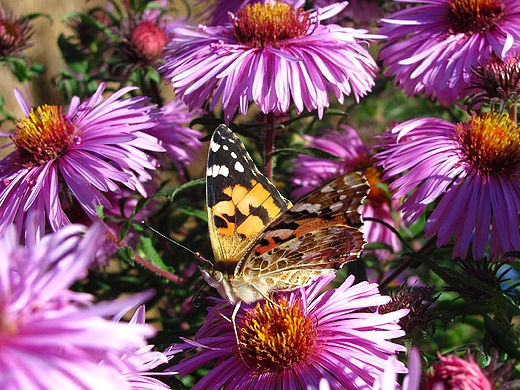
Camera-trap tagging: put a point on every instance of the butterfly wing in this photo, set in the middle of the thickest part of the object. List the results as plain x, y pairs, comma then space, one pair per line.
315, 237
241, 201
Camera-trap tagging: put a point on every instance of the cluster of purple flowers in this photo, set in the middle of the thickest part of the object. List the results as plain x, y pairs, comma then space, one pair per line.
74, 176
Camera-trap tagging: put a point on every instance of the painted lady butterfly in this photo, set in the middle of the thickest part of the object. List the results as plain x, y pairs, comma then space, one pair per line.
262, 243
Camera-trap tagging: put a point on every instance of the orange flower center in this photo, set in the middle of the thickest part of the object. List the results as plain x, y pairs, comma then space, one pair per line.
377, 194
260, 25
490, 143
474, 16
44, 135
278, 337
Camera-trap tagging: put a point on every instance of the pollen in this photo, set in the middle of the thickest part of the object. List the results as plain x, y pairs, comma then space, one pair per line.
44, 135
269, 25
474, 16
278, 337
490, 143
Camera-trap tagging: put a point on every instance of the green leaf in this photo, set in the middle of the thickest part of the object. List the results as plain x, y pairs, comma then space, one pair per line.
171, 193
313, 152
141, 203
100, 210
452, 278
126, 254
152, 255
193, 212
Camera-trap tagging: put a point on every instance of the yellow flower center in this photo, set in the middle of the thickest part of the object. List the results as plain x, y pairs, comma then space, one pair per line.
260, 25
474, 16
44, 135
278, 337
490, 143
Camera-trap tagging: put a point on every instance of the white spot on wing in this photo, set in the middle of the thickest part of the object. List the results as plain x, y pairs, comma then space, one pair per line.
234, 155
225, 147
308, 207
224, 171
239, 167
336, 206
342, 197
214, 146
216, 170
326, 189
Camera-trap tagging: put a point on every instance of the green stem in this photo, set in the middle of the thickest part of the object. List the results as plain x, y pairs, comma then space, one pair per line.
269, 146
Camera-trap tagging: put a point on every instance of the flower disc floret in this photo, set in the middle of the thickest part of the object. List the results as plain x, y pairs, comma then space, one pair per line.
278, 337
475, 16
490, 144
269, 25
44, 135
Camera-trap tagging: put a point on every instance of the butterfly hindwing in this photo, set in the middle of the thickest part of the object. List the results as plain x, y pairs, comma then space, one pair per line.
319, 234
241, 201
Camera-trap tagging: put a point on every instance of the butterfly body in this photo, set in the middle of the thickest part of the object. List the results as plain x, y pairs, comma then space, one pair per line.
263, 244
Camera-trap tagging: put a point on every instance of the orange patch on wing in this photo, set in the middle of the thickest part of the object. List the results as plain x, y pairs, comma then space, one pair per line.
226, 207
261, 249
254, 198
227, 231
251, 226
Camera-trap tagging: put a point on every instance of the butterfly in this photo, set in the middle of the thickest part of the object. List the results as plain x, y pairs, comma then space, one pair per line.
261, 242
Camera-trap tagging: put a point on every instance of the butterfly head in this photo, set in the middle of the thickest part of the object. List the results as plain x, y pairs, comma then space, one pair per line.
219, 281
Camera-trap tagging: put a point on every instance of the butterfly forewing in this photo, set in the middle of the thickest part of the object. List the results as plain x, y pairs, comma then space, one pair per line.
241, 201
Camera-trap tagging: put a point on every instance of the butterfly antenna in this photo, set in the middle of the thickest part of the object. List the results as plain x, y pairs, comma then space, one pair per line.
196, 254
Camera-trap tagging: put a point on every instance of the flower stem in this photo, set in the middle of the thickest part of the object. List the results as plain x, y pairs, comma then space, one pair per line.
512, 111
269, 147
145, 263
407, 263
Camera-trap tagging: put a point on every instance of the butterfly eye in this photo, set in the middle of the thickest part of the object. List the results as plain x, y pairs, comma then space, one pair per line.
217, 276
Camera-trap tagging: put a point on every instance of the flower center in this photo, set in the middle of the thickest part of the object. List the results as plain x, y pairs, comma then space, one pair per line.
490, 143
279, 337
10, 34
44, 135
474, 16
260, 25
376, 195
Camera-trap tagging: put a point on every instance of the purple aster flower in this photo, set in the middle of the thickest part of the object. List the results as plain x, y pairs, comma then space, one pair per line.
96, 147
50, 334
181, 143
310, 173
136, 366
431, 48
304, 337
271, 54
472, 168
411, 381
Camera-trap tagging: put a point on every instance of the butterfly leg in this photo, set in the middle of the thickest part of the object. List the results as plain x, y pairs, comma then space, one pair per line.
235, 328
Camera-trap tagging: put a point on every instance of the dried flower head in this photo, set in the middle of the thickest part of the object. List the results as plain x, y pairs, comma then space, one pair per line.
14, 34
